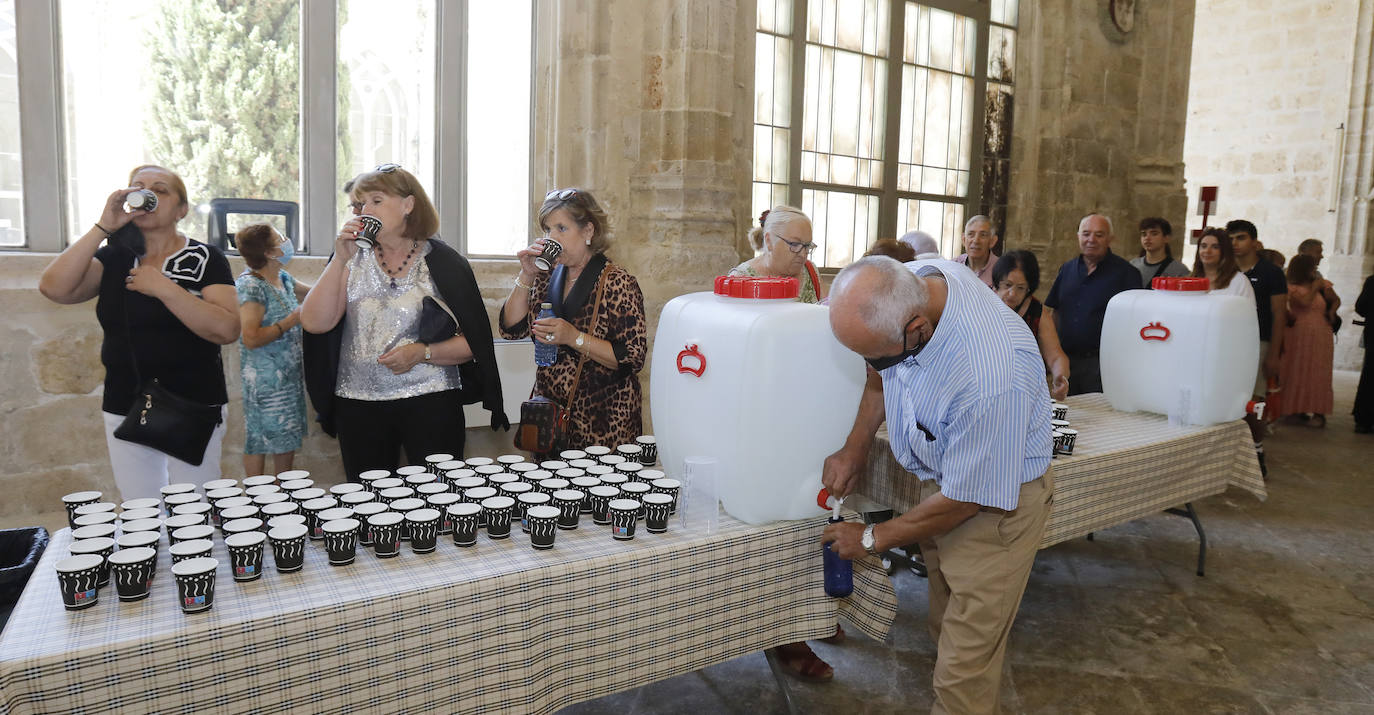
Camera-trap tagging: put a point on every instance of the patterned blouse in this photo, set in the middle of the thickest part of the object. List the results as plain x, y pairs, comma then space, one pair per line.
607, 404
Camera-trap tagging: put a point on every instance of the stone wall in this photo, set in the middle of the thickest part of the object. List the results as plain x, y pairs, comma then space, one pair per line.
1274, 98
51, 435
1099, 123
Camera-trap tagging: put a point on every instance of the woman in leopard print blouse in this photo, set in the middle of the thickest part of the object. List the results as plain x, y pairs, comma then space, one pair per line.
607, 404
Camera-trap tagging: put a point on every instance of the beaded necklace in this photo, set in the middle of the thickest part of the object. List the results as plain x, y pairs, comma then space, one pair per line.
399, 270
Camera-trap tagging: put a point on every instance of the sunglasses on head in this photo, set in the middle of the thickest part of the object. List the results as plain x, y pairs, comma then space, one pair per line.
560, 194
386, 168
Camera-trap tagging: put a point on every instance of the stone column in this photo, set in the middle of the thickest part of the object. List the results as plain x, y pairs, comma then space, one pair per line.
1350, 256
648, 104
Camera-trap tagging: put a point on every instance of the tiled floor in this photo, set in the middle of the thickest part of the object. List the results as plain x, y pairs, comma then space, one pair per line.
1282, 623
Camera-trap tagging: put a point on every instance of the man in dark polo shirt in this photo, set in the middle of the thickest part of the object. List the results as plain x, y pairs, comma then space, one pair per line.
1078, 300
1271, 308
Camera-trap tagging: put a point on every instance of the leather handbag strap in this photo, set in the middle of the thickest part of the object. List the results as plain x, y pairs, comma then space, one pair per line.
596, 314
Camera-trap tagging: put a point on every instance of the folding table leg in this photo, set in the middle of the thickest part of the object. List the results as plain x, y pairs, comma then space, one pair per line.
1191, 513
781, 679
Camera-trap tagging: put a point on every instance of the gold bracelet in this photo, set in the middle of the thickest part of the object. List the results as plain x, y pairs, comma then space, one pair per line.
518, 284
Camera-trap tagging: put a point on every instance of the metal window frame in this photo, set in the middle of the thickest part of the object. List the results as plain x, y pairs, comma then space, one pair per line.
44, 172
888, 195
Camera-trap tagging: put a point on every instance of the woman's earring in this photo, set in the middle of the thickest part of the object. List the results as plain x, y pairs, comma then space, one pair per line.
589, 242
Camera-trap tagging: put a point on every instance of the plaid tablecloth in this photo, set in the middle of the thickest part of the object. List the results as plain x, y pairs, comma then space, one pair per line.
1124, 466
498, 627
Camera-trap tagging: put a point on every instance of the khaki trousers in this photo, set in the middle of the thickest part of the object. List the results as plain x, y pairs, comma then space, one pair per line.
977, 574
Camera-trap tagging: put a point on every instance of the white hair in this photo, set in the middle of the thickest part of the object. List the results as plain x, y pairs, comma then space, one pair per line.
923, 243
991, 226
776, 219
886, 311
1105, 217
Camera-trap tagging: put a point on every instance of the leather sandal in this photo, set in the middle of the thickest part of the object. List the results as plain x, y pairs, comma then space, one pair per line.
835, 638
802, 663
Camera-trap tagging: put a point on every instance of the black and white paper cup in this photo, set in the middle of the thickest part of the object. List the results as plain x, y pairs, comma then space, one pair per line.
266, 480
423, 525
498, 511
629, 469
132, 572
549, 486
596, 451
568, 455
78, 499
553, 465
648, 449
669, 486
104, 517
102, 546
362, 513
461, 484
293, 474
214, 484
386, 533
200, 508
403, 507
288, 546
601, 498
415, 481
153, 526
138, 539
236, 526
294, 485
131, 504
570, 473
94, 531
245, 554
395, 493
524, 503
569, 505
1070, 439
195, 583
657, 509
172, 501
611, 460
584, 485
441, 503
478, 495
272, 511
367, 234
464, 516
100, 507
636, 491
136, 514
193, 549
191, 533
506, 460
475, 462
1059, 411
262, 490
371, 475
624, 513
296, 519
410, 469
543, 522
178, 521
78, 579
341, 540
434, 460
548, 254
312, 509
339, 490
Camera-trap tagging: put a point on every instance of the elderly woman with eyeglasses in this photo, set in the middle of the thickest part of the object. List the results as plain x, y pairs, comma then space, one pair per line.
784, 236
598, 323
1015, 277
408, 337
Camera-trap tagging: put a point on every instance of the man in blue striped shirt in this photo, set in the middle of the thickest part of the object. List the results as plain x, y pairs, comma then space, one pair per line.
959, 379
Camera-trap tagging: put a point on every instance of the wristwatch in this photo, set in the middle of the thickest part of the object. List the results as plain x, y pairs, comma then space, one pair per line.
428, 354
581, 341
868, 541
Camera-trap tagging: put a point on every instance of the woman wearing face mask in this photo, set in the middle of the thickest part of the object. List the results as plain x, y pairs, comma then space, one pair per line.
270, 350
1015, 277
784, 236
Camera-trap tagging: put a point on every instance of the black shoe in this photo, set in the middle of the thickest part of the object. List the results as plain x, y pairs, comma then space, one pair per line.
1363, 428
1264, 471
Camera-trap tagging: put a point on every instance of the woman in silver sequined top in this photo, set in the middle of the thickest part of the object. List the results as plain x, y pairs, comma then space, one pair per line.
389, 389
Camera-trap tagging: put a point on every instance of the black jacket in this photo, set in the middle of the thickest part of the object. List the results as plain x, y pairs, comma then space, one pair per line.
458, 287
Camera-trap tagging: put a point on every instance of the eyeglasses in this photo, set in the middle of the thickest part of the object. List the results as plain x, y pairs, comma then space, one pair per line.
560, 194
797, 246
386, 168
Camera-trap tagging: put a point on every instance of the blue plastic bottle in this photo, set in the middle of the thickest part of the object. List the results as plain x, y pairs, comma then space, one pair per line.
545, 354
839, 572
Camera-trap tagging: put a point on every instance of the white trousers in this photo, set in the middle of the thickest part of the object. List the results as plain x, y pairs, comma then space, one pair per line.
140, 472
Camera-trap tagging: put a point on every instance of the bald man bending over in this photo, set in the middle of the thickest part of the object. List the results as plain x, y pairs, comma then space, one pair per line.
959, 379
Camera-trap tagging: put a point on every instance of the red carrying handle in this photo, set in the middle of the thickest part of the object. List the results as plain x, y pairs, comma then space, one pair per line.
1155, 331
688, 353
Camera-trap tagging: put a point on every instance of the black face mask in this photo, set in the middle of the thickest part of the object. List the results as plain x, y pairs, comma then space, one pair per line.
883, 363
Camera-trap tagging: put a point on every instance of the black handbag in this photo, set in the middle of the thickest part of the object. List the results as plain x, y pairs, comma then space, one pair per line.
544, 423
169, 423
164, 420
437, 322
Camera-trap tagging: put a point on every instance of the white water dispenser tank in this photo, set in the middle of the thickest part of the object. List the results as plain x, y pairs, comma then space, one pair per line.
750, 376
1179, 351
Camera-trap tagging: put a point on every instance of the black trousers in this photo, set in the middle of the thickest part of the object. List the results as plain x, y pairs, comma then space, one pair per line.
1364, 394
372, 434
1085, 373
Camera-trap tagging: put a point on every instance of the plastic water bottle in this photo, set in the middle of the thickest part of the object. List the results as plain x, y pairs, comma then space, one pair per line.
839, 572
545, 354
